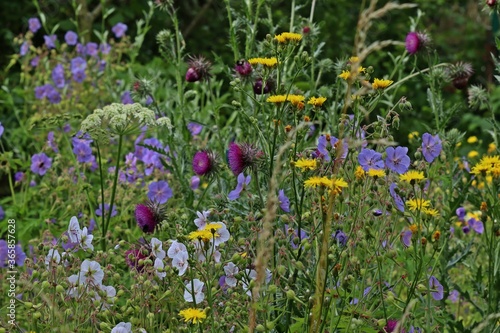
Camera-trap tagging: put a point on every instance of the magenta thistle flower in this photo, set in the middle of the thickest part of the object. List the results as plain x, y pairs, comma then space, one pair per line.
370, 159
391, 326
133, 256
199, 69
40, 163
416, 41
431, 147
205, 163
148, 216
397, 160
243, 67
242, 156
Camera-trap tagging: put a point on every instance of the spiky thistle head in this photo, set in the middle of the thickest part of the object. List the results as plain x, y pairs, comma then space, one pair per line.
243, 156
460, 74
149, 216
199, 69
205, 163
417, 41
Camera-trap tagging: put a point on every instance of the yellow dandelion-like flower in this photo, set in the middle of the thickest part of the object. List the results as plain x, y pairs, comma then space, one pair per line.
473, 153
304, 164
346, 75
412, 176
213, 227
376, 173
266, 62
295, 99
316, 101
495, 171
288, 37
480, 168
418, 204
336, 185
413, 228
359, 173
413, 135
472, 139
432, 212
192, 315
353, 59
436, 235
204, 235
491, 148
314, 182
381, 84
276, 99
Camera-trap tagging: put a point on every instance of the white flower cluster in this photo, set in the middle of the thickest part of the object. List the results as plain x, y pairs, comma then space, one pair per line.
122, 118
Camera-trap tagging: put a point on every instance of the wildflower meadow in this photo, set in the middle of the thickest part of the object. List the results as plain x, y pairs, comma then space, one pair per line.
279, 171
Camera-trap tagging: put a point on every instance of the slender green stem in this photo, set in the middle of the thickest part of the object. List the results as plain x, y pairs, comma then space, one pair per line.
101, 176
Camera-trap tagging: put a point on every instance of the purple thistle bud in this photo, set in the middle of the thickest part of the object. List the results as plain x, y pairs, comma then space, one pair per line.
243, 67
242, 156
148, 216
416, 41
198, 69
390, 327
460, 74
259, 88
133, 256
205, 163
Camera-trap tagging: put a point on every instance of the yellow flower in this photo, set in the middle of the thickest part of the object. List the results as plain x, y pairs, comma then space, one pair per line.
193, 315
353, 59
472, 139
336, 184
486, 165
412, 176
436, 235
472, 154
359, 173
345, 75
413, 228
316, 181
295, 99
491, 148
204, 235
288, 37
316, 101
418, 204
276, 99
266, 62
376, 173
412, 136
381, 84
212, 227
305, 163
431, 212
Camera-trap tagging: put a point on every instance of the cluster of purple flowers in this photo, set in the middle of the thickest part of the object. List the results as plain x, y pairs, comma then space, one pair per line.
48, 91
83, 151
471, 223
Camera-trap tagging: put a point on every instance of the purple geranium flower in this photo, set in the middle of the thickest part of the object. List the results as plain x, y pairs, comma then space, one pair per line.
52, 142
195, 182
119, 29
34, 62
53, 95
1, 129
50, 41
438, 291
127, 98
454, 296
105, 48
71, 38
340, 237
19, 176
78, 64
370, 159
296, 237
82, 151
476, 225
92, 49
242, 183
400, 205
397, 159
40, 163
461, 214
99, 212
159, 192
323, 143
58, 76
406, 238
431, 147
24, 48
194, 128
34, 24
284, 201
